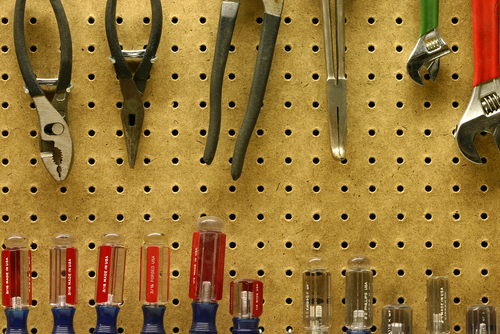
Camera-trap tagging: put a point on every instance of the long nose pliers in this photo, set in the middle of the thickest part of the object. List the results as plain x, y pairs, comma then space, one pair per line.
270, 27
132, 87
430, 46
483, 111
56, 146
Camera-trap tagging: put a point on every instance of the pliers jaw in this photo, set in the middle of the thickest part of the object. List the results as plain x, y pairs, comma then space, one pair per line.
482, 115
337, 111
430, 47
56, 146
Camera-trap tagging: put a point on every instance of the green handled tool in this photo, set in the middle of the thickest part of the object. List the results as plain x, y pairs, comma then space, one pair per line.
430, 46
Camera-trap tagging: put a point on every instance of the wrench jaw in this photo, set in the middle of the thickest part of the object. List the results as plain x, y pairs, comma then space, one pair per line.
482, 114
56, 146
430, 47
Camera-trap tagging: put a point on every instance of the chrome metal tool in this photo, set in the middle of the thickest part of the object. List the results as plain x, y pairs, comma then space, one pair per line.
336, 86
270, 27
483, 111
56, 145
430, 46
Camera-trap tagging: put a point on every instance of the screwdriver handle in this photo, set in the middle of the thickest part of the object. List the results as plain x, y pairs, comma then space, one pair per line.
63, 320
429, 15
485, 37
17, 321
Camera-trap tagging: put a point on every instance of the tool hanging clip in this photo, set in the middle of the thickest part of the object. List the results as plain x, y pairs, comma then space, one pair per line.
483, 111
56, 145
430, 46
270, 27
132, 87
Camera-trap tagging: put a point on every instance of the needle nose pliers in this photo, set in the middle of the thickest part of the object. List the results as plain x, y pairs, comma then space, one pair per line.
270, 27
56, 146
483, 111
132, 87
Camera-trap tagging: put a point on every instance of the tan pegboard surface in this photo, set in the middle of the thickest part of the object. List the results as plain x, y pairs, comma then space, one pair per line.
406, 197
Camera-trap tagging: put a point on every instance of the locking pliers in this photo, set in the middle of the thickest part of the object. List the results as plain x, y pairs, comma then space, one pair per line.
56, 146
132, 87
270, 27
483, 111
430, 46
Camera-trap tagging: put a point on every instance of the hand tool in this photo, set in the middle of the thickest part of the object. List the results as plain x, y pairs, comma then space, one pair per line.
132, 87
155, 275
316, 298
207, 273
397, 319
358, 296
110, 281
270, 27
63, 283
482, 113
481, 319
430, 46
16, 283
56, 146
336, 87
438, 305
245, 305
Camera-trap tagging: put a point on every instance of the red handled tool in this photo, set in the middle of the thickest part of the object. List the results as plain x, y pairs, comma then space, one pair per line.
482, 113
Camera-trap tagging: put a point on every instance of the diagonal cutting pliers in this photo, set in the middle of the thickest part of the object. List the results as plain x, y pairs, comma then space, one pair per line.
270, 27
56, 146
483, 111
132, 87
430, 46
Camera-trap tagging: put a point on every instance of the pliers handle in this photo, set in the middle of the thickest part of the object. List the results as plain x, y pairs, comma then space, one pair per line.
56, 146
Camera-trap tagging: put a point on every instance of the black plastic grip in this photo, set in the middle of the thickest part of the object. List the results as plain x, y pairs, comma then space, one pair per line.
22, 52
64, 80
142, 73
228, 14
121, 67
267, 43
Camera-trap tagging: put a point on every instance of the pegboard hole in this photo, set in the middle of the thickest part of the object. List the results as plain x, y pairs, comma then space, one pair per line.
428, 216
316, 245
174, 48
287, 20
288, 48
315, 20
119, 20
456, 272
315, 105
344, 189
428, 188
344, 244
34, 274
315, 160
316, 189
5, 133
91, 218
92, 303
5, 190
175, 273
5, 77
34, 330
91, 161
232, 245
344, 216
399, 76
456, 244
456, 216
91, 48
316, 216
401, 244
427, 104
372, 216
91, 274
373, 329
399, 104
288, 160
400, 188
454, 20
5, 218
260, 216
5, 20
399, 20
232, 273
454, 48
288, 244
203, 189
484, 272
175, 161
401, 300
456, 300
484, 188
260, 273
175, 330
259, 20
119, 189
288, 188
91, 20
485, 300
175, 245
455, 104
33, 161
427, 160
5, 105
32, 189
289, 301
119, 217
484, 160
454, 76
456, 328
399, 48
372, 188
401, 272
371, 20
371, 105
147, 217
147, 189
428, 244
399, 132
372, 244
232, 189
33, 218
372, 160
175, 217
175, 188
63, 218
484, 243
91, 245
203, 48
260, 189
315, 48
146, 20
371, 48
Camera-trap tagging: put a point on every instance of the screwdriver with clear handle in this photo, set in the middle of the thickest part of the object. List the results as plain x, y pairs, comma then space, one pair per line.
336, 86
63, 282
358, 295
397, 319
481, 319
438, 305
316, 290
245, 305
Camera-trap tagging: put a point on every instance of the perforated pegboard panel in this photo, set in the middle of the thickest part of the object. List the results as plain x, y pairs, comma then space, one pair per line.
405, 197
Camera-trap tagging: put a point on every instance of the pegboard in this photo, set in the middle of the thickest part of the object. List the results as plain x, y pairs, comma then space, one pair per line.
405, 197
